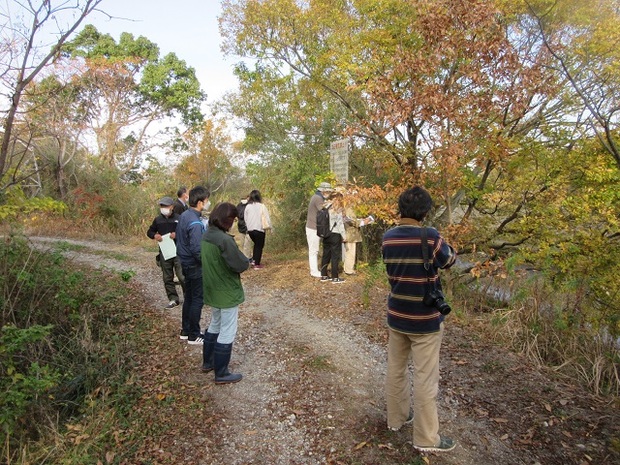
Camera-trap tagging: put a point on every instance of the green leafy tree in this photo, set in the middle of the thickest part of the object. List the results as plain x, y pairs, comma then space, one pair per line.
55, 120
127, 87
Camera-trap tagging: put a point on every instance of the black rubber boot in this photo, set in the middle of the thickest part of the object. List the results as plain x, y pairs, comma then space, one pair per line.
221, 360
207, 352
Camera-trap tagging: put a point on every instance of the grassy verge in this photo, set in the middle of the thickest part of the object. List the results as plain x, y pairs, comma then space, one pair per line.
69, 346
553, 328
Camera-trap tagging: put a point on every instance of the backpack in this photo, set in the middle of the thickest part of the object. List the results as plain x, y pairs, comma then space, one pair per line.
241, 226
322, 223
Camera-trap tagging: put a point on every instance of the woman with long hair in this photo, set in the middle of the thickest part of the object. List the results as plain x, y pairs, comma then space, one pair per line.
258, 222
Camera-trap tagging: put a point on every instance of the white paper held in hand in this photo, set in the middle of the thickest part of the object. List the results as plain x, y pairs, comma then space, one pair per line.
168, 247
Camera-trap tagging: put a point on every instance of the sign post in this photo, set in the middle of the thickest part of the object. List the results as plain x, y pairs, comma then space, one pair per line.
339, 159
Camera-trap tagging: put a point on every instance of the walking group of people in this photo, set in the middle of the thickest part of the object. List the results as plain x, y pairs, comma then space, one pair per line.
211, 264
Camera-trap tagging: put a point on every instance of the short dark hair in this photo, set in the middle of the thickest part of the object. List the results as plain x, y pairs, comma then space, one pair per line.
197, 194
223, 216
255, 197
415, 203
182, 190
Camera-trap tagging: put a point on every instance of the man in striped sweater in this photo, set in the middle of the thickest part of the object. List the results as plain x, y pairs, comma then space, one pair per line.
415, 329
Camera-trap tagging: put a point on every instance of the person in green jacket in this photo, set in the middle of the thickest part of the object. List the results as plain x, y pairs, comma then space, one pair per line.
222, 265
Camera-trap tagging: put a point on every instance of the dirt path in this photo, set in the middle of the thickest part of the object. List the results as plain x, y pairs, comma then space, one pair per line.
314, 359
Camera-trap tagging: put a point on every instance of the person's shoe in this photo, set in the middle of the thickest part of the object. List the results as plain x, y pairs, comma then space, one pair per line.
325, 279
221, 359
445, 445
208, 351
183, 335
259, 267
171, 304
198, 340
350, 274
408, 421
337, 280
315, 275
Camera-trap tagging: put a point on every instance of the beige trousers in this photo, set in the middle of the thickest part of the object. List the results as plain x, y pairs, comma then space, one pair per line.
424, 352
349, 257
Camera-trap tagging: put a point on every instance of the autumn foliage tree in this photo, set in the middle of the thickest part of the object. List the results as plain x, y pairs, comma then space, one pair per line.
505, 111
127, 87
206, 157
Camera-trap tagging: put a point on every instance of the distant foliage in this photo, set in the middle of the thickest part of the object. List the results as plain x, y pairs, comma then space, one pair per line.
14, 205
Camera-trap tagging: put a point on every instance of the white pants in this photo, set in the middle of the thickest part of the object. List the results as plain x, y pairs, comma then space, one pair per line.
314, 242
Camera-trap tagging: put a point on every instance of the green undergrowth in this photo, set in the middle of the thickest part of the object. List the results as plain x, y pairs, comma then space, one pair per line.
68, 341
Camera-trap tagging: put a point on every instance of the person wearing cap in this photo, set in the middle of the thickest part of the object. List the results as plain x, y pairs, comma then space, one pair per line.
316, 203
166, 223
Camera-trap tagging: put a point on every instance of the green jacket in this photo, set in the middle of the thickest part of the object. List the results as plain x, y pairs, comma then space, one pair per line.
222, 263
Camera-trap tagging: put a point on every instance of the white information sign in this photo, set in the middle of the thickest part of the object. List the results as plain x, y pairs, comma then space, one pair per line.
339, 159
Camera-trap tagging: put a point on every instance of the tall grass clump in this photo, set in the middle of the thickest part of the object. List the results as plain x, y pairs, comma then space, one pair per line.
62, 350
556, 327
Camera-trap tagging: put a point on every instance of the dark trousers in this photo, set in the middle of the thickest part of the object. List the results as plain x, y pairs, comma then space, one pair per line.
258, 237
192, 301
168, 269
332, 253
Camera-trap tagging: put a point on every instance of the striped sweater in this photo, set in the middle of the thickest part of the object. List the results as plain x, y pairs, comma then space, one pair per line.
402, 255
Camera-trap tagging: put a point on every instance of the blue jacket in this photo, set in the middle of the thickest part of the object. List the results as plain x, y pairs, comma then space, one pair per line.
188, 236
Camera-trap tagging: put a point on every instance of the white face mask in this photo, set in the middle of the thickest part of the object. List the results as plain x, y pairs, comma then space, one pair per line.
165, 211
206, 205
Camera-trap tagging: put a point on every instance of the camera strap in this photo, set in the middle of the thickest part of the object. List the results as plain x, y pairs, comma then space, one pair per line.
427, 263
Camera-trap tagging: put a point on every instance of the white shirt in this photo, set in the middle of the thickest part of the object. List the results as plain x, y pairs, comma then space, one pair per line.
253, 216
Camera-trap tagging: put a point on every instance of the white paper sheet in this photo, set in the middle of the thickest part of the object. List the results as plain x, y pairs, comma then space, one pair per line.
168, 247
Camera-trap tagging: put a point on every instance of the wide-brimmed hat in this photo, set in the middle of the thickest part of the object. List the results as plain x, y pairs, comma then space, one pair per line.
166, 201
325, 187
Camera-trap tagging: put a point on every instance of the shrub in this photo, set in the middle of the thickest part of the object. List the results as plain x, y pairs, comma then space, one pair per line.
59, 344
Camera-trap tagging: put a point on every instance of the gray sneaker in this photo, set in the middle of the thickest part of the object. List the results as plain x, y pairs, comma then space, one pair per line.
172, 304
445, 445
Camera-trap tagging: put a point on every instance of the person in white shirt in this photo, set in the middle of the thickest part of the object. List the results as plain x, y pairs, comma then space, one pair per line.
258, 222
314, 241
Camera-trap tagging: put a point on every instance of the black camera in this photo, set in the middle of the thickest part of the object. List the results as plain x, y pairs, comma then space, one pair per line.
435, 298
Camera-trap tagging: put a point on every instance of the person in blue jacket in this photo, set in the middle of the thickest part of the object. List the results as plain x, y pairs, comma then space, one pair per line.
188, 237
